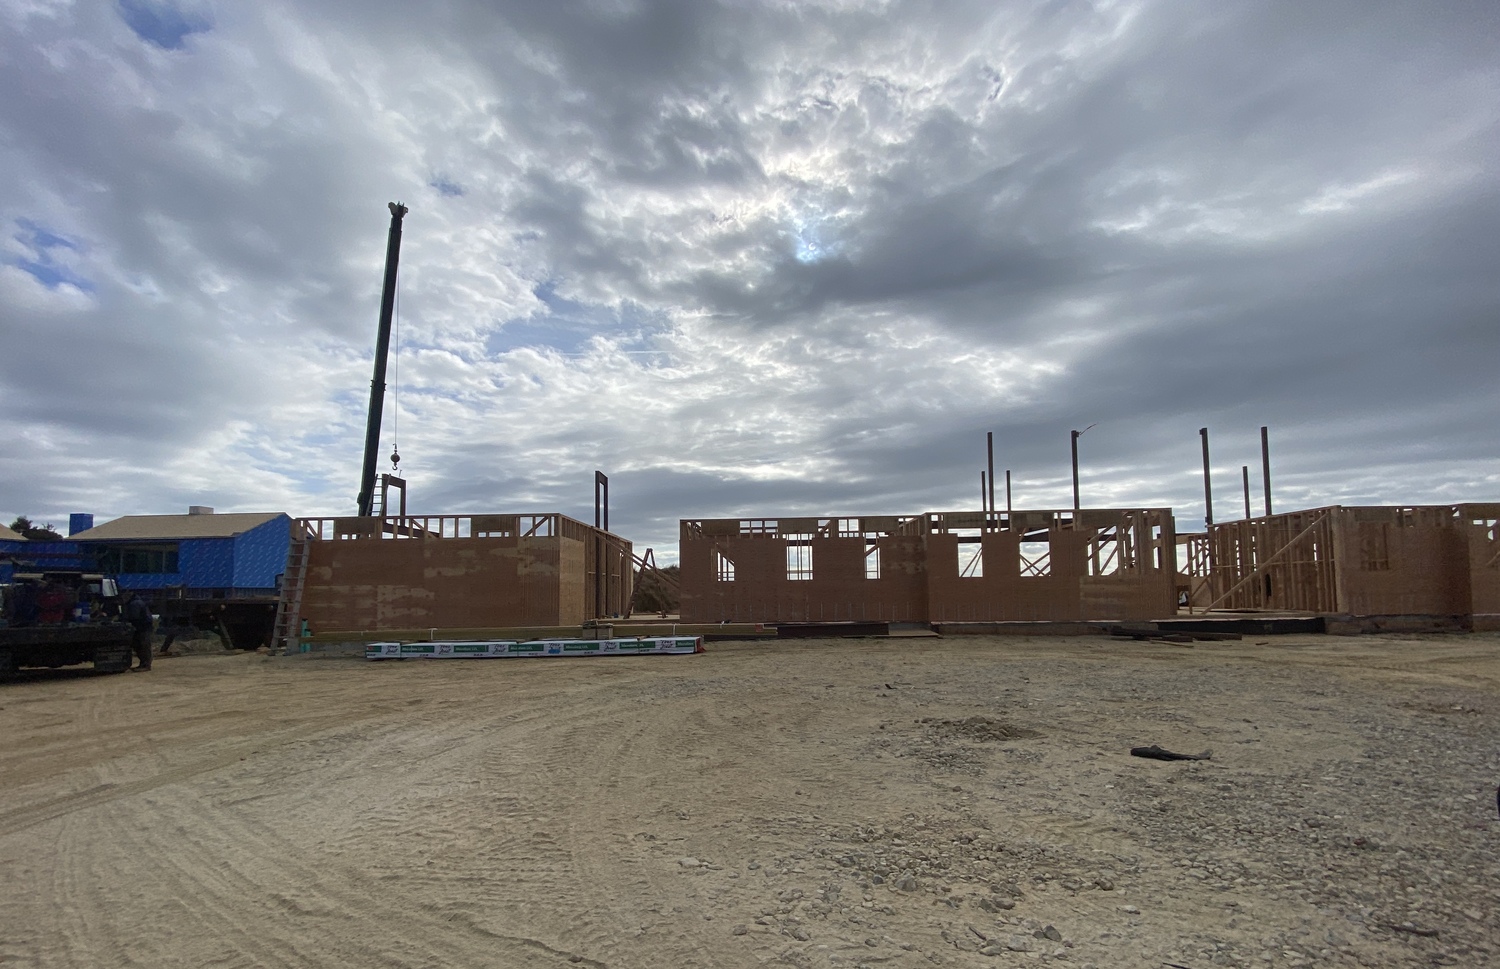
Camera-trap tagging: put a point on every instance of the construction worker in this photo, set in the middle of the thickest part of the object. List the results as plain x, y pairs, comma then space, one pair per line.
138, 614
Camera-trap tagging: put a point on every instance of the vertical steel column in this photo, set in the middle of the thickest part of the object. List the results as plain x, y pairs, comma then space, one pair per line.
1265, 466
989, 444
601, 484
601, 545
1208, 489
1245, 470
1075, 469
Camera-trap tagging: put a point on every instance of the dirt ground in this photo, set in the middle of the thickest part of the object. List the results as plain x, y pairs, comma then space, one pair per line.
903, 802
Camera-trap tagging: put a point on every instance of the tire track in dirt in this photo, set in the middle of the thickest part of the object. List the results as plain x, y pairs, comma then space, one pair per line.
255, 888
22, 818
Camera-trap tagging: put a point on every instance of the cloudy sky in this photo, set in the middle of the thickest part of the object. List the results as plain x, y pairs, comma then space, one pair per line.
749, 258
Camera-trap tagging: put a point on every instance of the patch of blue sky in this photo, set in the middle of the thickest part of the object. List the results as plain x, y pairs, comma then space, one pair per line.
163, 24
43, 262
567, 326
446, 187
38, 237
351, 402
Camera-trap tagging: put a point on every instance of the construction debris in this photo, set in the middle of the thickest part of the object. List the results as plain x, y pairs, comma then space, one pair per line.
1158, 753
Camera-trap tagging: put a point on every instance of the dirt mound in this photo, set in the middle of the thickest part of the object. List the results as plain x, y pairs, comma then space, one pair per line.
193, 642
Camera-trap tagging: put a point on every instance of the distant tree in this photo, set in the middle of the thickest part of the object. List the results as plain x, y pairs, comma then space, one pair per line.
37, 533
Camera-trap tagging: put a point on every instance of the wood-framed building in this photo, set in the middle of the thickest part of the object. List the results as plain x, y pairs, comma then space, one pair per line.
1357, 560
964, 566
455, 572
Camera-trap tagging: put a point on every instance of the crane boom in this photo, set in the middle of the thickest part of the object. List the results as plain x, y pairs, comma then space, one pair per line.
382, 350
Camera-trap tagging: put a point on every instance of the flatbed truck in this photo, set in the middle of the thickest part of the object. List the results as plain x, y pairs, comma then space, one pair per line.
74, 624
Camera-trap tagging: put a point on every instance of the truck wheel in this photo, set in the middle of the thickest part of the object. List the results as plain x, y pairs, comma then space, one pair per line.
9, 667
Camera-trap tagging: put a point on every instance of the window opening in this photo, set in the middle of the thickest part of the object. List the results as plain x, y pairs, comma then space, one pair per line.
872, 559
1111, 552
970, 553
1036, 559
799, 565
723, 567
140, 560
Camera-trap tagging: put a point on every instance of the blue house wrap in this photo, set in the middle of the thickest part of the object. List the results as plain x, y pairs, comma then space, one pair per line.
260, 554
205, 555
12, 546
20, 555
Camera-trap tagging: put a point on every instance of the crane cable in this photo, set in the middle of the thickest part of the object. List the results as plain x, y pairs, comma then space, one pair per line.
396, 388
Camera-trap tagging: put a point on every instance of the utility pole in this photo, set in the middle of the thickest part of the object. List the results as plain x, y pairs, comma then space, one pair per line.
382, 350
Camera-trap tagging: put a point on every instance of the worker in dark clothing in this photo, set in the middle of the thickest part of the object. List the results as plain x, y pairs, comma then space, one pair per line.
138, 614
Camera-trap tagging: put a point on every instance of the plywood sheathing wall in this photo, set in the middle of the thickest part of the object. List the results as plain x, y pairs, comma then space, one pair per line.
737, 571
937, 567
1482, 523
482, 571
1438, 560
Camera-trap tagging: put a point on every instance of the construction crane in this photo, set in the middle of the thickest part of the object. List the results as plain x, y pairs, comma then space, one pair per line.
382, 351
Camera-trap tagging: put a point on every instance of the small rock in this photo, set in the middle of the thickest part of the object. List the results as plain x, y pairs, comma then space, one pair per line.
689, 862
1050, 933
738, 930
872, 943
907, 883
1130, 910
799, 933
1018, 943
1104, 884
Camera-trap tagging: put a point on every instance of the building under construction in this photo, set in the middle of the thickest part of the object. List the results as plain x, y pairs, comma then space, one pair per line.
1407, 560
368, 574
1041, 566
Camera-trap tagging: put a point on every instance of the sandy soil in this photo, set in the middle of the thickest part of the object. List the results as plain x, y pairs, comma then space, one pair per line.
959, 802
